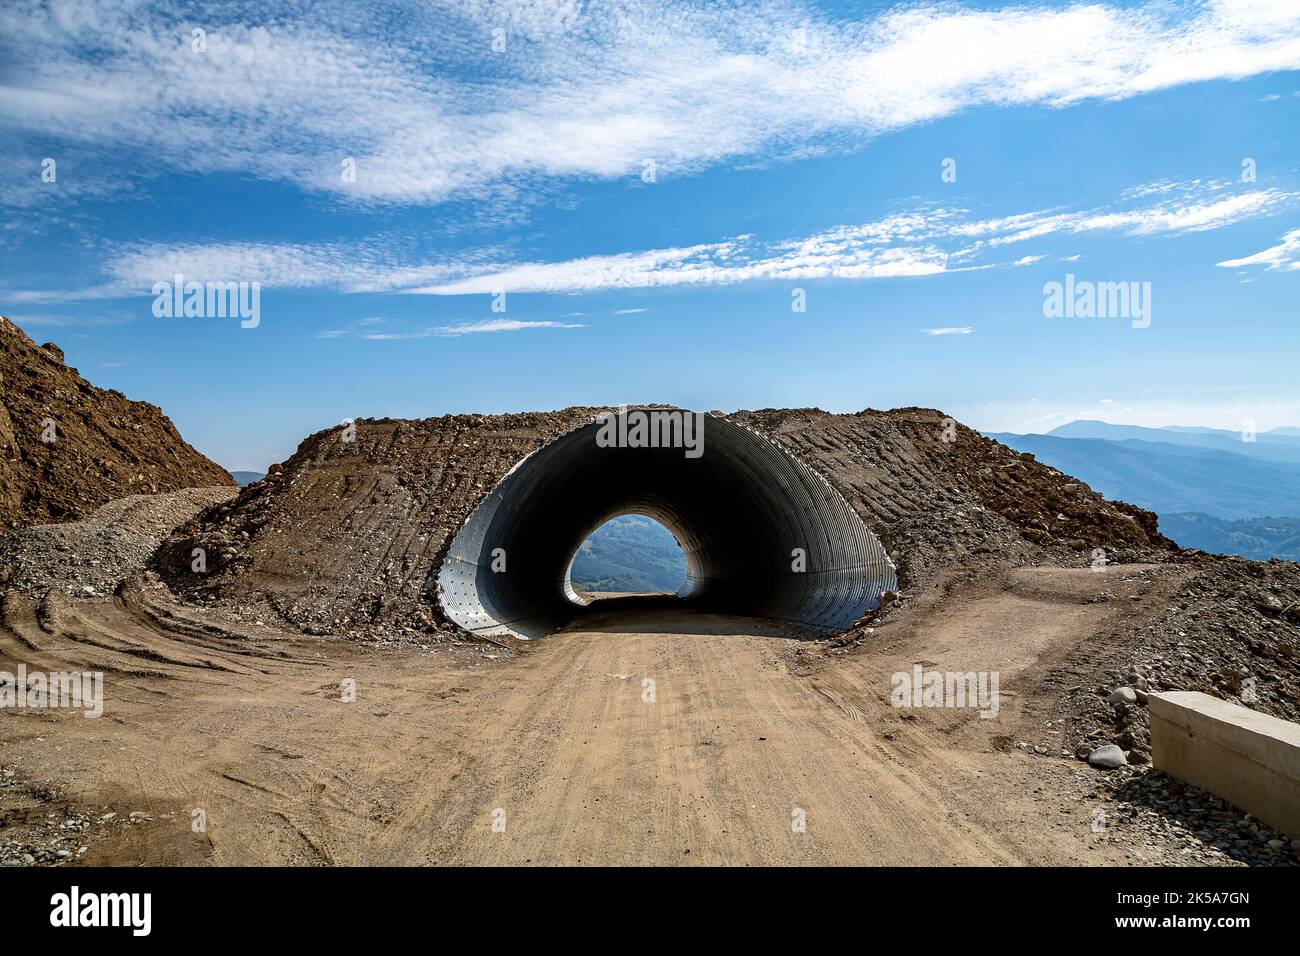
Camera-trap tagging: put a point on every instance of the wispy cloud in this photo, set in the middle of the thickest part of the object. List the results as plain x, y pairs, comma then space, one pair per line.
1285, 255
950, 330
921, 242
417, 95
912, 244
468, 328
378, 264
27, 321
368, 322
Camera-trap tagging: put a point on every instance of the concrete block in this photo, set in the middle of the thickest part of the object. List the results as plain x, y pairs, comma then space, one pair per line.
1241, 755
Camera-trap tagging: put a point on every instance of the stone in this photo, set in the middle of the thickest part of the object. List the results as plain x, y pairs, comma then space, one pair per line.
1107, 757
1123, 695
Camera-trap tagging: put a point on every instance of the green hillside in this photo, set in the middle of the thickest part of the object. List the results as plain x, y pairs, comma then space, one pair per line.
629, 554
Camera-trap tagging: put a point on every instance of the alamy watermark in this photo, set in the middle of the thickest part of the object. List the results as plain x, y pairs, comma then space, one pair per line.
70, 690
75, 908
1085, 299
652, 428
210, 300
921, 688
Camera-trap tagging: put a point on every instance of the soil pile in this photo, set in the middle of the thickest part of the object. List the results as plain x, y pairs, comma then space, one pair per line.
941, 496
67, 447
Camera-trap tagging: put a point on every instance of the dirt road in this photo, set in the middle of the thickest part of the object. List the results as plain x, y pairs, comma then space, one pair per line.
659, 738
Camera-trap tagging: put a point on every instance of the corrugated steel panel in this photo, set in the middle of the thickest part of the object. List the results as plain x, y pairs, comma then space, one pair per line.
738, 511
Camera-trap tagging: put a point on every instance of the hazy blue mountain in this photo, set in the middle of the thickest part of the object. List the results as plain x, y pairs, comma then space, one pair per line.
1258, 538
629, 554
1281, 444
1170, 478
247, 477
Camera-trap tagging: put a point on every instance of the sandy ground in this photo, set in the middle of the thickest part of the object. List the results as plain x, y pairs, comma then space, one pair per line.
560, 753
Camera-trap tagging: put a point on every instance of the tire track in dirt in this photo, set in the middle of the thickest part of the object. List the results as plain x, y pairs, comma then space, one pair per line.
742, 739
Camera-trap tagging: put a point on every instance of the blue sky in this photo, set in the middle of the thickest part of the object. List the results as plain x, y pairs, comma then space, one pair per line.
795, 146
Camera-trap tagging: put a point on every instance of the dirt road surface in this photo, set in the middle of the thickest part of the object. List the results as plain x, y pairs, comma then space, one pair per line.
656, 737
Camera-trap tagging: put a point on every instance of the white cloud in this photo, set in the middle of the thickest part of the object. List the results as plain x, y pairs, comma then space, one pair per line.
918, 243
416, 95
1185, 217
347, 330
63, 321
469, 328
1285, 255
952, 330
901, 245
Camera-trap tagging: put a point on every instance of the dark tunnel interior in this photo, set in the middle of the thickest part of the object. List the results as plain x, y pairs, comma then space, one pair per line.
763, 534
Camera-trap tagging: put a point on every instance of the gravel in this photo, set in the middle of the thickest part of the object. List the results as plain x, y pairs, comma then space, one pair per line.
89, 558
43, 826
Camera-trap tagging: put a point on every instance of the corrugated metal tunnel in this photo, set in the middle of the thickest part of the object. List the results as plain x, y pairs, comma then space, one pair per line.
763, 534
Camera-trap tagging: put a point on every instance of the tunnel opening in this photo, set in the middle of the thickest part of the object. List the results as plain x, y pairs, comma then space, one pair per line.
627, 554
762, 534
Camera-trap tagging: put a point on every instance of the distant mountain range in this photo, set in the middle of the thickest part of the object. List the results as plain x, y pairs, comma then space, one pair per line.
1282, 444
1211, 489
1258, 538
629, 554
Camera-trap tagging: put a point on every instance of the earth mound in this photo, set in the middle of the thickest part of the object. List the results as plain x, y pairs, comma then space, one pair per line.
67, 447
347, 536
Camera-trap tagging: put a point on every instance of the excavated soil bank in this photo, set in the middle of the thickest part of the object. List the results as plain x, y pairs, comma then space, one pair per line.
350, 533
67, 447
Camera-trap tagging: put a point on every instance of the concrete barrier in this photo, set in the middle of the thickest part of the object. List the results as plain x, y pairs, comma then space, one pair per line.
1241, 755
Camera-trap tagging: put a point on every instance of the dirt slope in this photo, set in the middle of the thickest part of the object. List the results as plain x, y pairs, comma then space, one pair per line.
348, 535
941, 496
105, 446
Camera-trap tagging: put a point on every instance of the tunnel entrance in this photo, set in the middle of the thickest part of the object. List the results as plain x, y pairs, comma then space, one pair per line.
628, 554
762, 533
